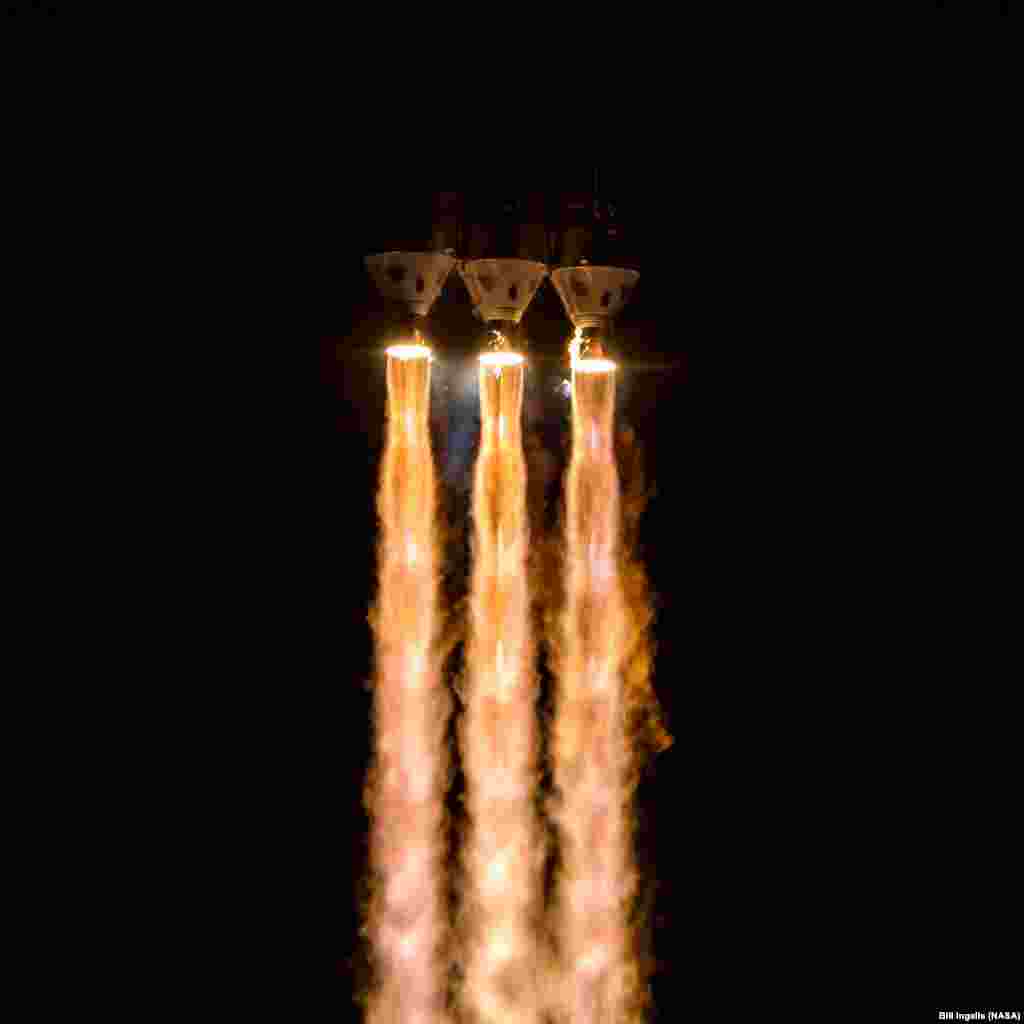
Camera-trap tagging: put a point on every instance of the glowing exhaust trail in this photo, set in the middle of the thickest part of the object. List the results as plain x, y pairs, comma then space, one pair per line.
503, 852
597, 974
405, 792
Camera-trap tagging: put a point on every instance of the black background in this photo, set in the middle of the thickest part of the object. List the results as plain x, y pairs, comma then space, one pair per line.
1000, 6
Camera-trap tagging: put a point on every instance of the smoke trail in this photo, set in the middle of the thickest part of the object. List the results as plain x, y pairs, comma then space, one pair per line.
646, 725
599, 976
405, 790
503, 853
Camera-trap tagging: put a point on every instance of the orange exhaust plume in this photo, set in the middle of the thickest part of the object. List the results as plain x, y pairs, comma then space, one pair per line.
407, 916
499, 737
598, 975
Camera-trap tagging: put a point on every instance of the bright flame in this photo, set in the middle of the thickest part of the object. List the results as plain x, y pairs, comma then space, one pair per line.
594, 366
575, 343
499, 734
409, 352
407, 917
501, 359
586, 364
596, 982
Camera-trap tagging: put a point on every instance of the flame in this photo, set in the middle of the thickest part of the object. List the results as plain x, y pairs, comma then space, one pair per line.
407, 920
494, 361
581, 363
499, 734
501, 359
409, 352
575, 343
596, 982
594, 366
601, 662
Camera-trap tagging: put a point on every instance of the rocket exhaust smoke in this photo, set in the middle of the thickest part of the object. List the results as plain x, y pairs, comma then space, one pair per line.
406, 915
503, 852
597, 976
510, 959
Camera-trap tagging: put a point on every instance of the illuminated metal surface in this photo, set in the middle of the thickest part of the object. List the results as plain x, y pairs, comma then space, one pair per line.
502, 289
413, 278
594, 296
